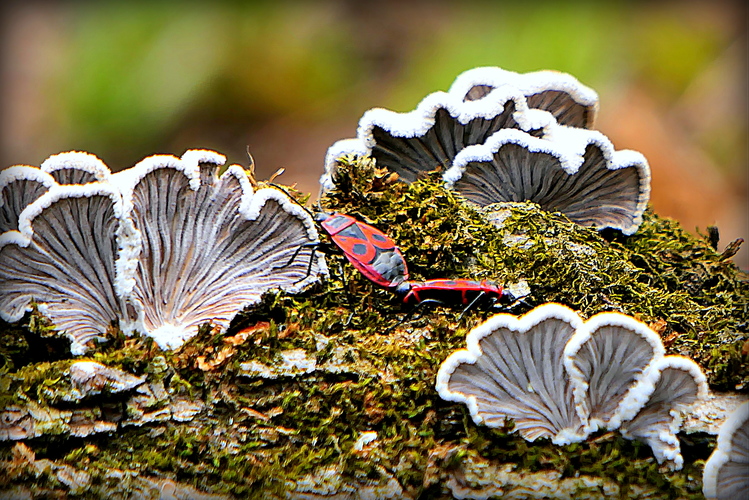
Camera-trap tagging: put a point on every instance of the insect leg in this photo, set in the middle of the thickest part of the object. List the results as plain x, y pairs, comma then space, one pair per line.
472, 303
311, 258
512, 305
299, 249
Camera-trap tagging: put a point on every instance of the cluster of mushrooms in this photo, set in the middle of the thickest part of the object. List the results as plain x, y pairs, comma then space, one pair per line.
159, 248
87, 247
503, 137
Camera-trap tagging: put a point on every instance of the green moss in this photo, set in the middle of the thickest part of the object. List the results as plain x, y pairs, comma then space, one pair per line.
661, 273
257, 434
41, 382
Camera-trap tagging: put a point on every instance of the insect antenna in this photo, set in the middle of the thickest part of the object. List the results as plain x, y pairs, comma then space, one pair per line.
277, 173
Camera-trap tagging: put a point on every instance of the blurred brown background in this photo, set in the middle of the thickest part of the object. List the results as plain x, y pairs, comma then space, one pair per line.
125, 80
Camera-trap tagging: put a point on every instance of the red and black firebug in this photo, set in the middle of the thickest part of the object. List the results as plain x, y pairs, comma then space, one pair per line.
368, 249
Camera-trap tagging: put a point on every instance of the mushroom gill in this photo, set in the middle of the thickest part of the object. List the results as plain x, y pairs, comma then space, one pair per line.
512, 369
211, 245
20, 186
563, 378
64, 258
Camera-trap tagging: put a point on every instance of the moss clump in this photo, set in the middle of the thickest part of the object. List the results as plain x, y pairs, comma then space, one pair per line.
374, 364
693, 295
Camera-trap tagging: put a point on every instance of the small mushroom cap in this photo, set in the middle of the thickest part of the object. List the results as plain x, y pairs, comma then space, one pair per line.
606, 359
726, 474
20, 186
512, 368
672, 385
76, 167
570, 170
64, 258
571, 102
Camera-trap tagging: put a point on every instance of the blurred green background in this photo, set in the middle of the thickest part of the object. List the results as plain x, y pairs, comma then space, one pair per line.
125, 80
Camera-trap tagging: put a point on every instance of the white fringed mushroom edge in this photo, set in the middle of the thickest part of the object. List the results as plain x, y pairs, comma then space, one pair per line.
721, 455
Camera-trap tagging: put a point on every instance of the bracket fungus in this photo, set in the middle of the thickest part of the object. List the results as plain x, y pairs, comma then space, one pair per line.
606, 358
726, 475
210, 245
500, 136
430, 136
561, 94
66, 257
160, 248
570, 170
563, 378
512, 368
672, 386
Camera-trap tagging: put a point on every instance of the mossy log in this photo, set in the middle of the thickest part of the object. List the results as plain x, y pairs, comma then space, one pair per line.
330, 394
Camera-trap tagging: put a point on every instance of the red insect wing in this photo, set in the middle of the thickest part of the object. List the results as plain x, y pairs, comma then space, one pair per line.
377, 237
355, 245
336, 223
387, 269
391, 265
369, 272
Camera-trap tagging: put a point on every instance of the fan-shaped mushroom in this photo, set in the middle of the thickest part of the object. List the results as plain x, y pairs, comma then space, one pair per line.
512, 369
570, 170
672, 385
210, 245
76, 167
67, 258
606, 359
161, 248
559, 377
430, 136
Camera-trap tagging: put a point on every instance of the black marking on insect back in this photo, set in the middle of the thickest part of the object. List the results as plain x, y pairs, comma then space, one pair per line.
353, 231
359, 249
